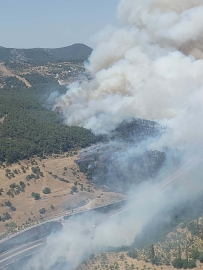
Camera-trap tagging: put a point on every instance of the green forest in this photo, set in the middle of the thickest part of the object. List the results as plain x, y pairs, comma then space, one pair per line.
28, 128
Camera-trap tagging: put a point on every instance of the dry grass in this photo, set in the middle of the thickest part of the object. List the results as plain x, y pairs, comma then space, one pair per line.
27, 208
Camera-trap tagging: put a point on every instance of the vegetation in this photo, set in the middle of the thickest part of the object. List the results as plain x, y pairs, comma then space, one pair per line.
36, 170
132, 254
30, 176
30, 129
47, 190
42, 211
147, 166
183, 263
16, 189
12, 208
36, 196
9, 204
152, 254
74, 189
75, 52
59, 178
6, 216
156, 231
12, 83
36, 78
195, 254
11, 225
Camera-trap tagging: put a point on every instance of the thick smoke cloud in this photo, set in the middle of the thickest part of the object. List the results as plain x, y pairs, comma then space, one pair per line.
150, 68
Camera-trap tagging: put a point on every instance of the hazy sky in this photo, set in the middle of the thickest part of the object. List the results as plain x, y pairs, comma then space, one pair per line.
53, 23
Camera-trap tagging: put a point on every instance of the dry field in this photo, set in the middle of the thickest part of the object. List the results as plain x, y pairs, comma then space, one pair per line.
59, 201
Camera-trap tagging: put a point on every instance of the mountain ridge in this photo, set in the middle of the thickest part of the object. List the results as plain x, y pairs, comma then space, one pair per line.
77, 52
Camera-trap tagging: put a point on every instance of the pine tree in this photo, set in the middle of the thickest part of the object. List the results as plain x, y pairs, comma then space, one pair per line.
186, 252
152, 254
179, 252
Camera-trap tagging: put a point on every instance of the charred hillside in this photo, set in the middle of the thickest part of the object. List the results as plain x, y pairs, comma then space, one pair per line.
117, 164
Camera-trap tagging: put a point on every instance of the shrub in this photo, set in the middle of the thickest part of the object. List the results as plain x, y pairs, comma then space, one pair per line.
177, 263
7, 216
15, 171
182, 263
185, 263
201, 257
11, 225
63, 180
132, 254
36, 195
74, 189
191, 264
12, 208
22, 185
36, 169
47, 190
8, 203
195, 254
42, 211
29, 177
13, 185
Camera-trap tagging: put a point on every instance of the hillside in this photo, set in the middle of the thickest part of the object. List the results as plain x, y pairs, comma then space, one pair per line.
27, 128
171, 239
69, 191
75, 53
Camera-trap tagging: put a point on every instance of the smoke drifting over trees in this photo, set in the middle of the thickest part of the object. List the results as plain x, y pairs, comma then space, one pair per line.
151, 68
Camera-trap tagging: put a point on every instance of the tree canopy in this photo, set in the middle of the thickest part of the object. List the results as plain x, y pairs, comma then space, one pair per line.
28, 128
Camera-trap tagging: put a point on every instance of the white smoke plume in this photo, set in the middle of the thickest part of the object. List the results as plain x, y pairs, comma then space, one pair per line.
151, 68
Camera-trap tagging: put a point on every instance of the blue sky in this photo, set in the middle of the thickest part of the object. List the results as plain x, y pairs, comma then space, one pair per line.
53, 23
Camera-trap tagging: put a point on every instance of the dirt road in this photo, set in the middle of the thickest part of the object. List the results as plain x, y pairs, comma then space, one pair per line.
7, 73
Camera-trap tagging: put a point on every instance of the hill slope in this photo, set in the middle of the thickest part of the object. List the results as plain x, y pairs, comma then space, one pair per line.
27, 128
75, 52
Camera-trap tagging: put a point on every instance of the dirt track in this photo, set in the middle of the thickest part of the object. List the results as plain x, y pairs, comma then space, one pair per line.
7, 73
